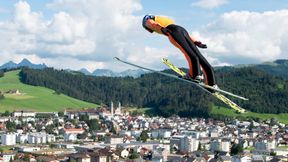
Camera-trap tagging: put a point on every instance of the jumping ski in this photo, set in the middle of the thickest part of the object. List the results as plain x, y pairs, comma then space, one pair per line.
201, 85
219, 96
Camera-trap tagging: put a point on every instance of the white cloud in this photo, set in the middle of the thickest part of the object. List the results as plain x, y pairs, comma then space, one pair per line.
25, 20
248, 36
209, 4
83, 30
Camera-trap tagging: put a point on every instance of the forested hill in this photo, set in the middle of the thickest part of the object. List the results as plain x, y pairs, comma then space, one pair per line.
267, 93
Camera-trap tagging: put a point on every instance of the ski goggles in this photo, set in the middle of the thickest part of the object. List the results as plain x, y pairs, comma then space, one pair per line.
147, 17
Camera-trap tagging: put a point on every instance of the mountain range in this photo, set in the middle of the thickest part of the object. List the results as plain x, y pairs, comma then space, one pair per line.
277, 67
98, 72
24, 63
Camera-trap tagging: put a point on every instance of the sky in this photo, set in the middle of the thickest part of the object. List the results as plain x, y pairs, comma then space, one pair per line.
87, 34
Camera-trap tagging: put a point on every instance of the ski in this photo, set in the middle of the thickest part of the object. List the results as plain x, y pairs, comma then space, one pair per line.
219, 96
201, 85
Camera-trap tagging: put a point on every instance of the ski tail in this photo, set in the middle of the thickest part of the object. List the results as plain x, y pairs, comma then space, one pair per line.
228, 102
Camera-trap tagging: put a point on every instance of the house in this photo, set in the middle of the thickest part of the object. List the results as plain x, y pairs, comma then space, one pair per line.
241, 159
114, 139
70, 134
8, 139
79, 157
101, 155
47, 159
257, 158
2, 125
123, 153
225, 159
14, 91
275, 159
7, 155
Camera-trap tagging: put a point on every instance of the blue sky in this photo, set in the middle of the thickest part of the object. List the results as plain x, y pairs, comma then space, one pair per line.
74, 34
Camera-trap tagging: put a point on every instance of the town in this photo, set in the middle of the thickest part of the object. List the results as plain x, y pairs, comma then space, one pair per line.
109, 133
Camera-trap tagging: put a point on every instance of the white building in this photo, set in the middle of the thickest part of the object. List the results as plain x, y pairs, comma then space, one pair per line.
113, 140
225, 145
70, 137
185, 143
265, 145
161, 133
22, 138
24, 114
36, 138
8, 139
29, 149
8, 155
71, 133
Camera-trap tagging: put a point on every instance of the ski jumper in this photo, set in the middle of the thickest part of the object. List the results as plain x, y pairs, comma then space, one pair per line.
180, 38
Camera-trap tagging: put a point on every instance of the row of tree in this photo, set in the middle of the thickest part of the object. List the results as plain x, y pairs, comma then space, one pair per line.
168, 96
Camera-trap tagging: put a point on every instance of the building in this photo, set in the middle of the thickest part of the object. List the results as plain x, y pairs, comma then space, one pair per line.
37, 138
79, 157
22, 138
7, 156
225, 145
215, 145
114, 139
24, 114
184, 143
8, 139
265, 145
118, 110
71, 133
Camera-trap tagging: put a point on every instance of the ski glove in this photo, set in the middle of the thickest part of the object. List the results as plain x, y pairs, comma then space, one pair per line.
165, 31
200, 45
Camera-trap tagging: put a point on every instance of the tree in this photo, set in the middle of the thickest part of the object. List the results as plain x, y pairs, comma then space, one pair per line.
1, 96
6, 113
61, 114
133, 155
11, 126
144, 135
93, 124
199, 147
236, 149
84, 117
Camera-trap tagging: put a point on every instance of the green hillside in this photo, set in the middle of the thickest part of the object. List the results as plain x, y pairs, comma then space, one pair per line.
34, 97
217, 110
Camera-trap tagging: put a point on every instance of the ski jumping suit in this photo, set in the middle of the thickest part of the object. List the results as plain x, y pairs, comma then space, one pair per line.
180, 38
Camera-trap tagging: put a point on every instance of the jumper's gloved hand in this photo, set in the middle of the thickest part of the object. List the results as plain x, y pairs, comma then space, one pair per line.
165, 31
200, 45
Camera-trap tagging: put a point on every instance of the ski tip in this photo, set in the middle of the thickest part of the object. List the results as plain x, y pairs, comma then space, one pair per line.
245, 99
116, 58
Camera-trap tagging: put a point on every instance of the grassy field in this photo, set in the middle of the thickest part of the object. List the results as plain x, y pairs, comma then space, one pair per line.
35, 98
4, 148
283, 118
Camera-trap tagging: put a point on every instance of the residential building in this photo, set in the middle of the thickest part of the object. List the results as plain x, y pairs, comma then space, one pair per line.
185, 143
71, 133
8, 139
79, 157
7, 156
24, 114
114, 139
